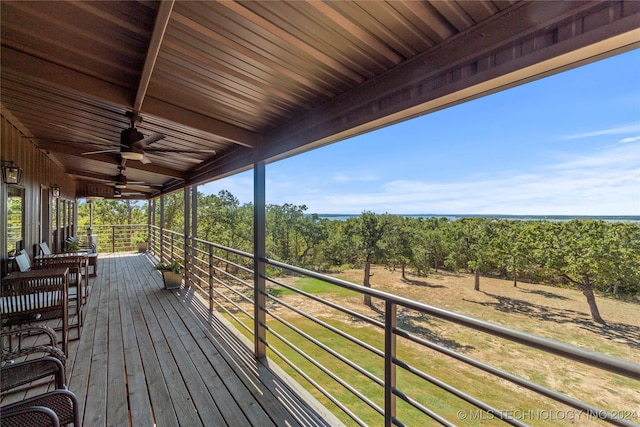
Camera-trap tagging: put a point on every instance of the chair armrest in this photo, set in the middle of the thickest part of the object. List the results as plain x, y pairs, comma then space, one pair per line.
21, 373
29, 416
63, 402
9, 355
33, 330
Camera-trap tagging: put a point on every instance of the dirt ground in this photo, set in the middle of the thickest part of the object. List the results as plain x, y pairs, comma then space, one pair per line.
539, 309
557, 313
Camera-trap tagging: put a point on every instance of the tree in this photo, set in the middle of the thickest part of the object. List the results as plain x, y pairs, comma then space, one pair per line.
107, 212
368, 231
339, 246
282, 230
625, 251
584, 253
174, 212
430, 249
398, 242
312, 231
512, 243
471, 247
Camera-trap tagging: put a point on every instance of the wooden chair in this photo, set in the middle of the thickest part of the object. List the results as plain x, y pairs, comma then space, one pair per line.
44, 249
89, 252
36, 296
23, 261
77, 265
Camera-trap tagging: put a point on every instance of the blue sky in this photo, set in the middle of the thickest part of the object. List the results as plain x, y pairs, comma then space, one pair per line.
568, 144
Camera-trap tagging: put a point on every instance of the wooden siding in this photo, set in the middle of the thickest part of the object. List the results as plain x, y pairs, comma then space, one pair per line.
38, 170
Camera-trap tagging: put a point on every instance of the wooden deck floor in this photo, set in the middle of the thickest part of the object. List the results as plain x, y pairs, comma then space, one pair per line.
148, 356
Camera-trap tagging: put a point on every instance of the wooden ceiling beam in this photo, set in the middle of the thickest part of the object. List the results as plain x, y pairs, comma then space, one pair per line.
159, 29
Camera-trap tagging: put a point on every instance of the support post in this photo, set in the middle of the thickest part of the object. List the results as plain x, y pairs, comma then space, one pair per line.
390, 323
194, 230
259, 252
187, 232
149, 205
161, 251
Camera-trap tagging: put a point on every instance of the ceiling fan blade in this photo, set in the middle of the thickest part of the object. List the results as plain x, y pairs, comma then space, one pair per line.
144, 185
149, 140
100, 152
176, 156
145, 160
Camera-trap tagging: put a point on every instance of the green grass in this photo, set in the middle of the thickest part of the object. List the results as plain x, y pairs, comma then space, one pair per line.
316, 287
499, 393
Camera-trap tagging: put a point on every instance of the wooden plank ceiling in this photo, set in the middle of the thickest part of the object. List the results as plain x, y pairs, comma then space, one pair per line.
228, 83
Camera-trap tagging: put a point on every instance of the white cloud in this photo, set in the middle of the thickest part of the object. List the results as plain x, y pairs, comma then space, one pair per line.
617, 130
365, 177
631, 139
603, 183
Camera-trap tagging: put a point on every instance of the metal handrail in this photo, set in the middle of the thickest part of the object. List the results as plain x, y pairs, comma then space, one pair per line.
611, 364
207, 267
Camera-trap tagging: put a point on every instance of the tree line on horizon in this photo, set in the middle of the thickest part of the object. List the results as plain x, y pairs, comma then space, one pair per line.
593, 256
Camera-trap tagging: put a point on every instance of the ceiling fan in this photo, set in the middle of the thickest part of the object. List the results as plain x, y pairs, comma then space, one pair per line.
118, 193
134, 145
121, 181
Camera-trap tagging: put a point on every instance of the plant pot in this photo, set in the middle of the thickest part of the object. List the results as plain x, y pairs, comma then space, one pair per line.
171, 280
143, 246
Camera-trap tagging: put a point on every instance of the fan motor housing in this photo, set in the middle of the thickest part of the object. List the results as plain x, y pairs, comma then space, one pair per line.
130, 136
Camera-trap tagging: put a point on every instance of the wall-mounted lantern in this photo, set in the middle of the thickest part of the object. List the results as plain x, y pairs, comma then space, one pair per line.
55, 191
11, 174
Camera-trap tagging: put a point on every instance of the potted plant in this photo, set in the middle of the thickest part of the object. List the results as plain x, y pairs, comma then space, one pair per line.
171, 274
73, 245
143, 245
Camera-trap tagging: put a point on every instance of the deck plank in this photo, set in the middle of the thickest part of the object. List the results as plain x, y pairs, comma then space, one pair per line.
150, 356
117, 408
140, 404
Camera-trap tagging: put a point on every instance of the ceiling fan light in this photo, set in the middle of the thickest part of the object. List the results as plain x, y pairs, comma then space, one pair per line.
131, 155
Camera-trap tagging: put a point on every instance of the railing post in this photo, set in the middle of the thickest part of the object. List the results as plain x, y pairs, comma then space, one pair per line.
390, 323
211, 271
113, 239
173, 245
259, 282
